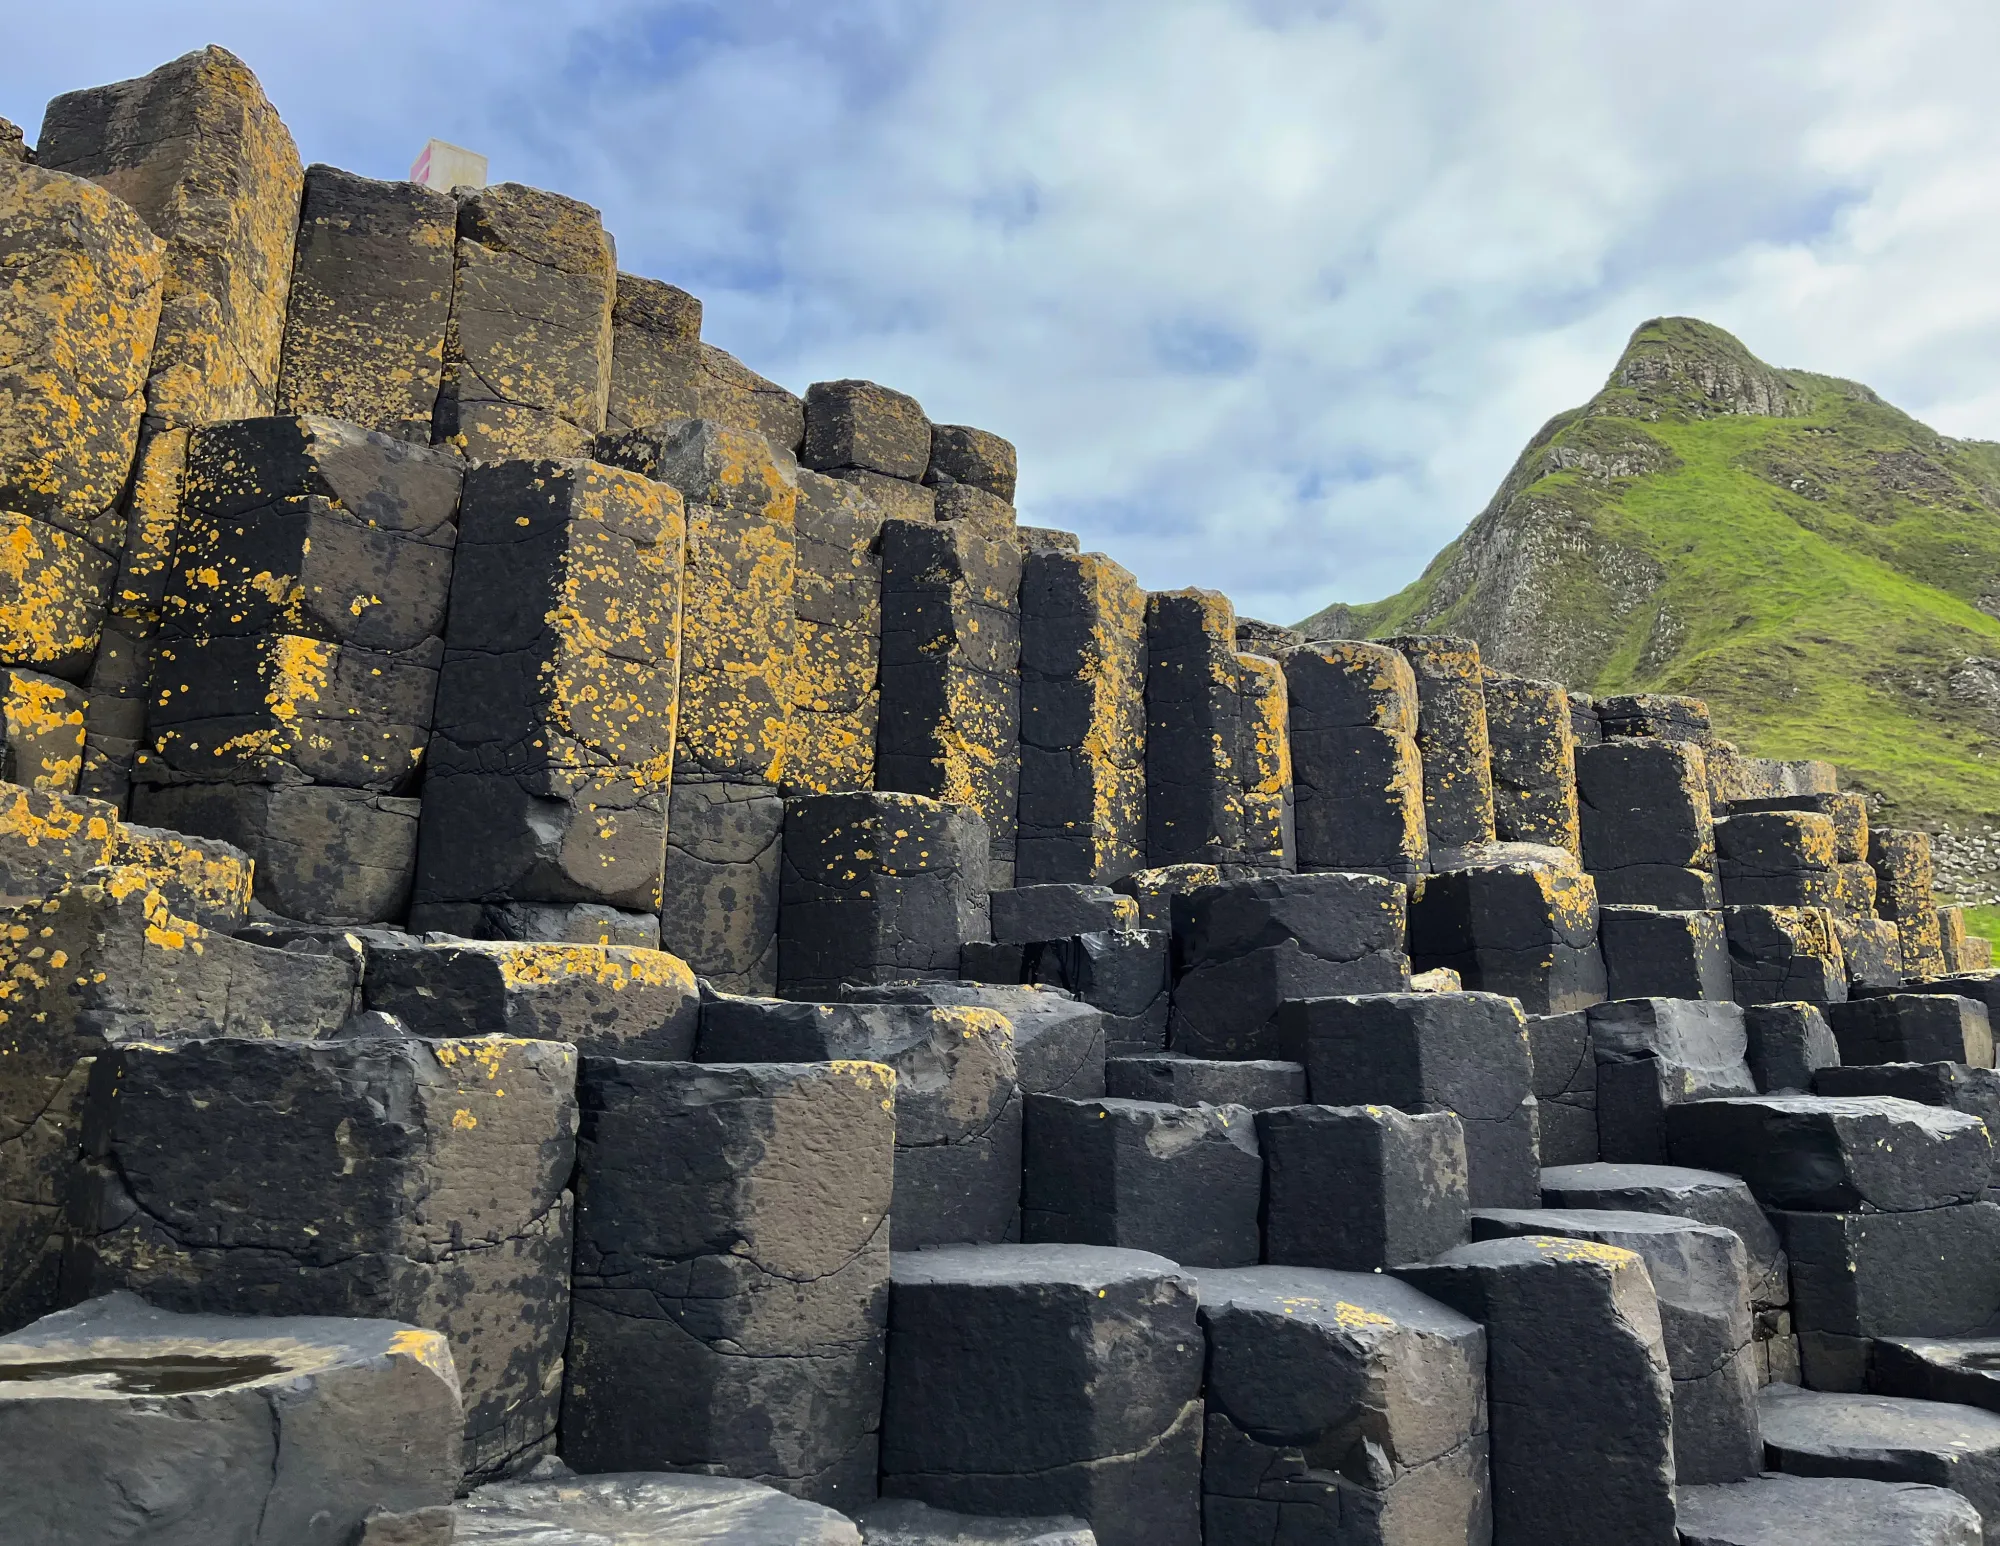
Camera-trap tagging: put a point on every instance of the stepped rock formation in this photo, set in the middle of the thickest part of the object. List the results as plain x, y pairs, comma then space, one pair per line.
596, 953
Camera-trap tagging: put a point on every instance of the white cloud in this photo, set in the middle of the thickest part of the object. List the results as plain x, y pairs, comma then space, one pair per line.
1269, 292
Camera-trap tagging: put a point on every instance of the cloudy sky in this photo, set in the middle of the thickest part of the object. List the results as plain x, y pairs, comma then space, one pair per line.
1269, 292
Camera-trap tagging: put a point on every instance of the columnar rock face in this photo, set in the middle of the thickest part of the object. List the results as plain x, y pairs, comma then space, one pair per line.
199, 152
416, 1180
1699, 1275
1083, 720
837, 693
1652, 1055
1651, 953
951, 686
127, 1423
1781, 955
1089, 1364
958, 1100
656, 363
370, 297
1361, 1188
1249, 946
1308, 1371
1577, 1384
1185, 1183
754, 1287
1526, 930
875, 438
737, 647
86, 276
554, 729
1777, 858
1533, 750
1647, 828
1356, 770
1218, 763
1452, 735
527, 350
1465, 1053
877, 887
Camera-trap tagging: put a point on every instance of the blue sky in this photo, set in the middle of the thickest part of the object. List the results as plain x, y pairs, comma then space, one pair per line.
1268, 292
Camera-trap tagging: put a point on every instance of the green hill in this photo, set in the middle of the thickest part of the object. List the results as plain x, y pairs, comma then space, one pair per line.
1820, 567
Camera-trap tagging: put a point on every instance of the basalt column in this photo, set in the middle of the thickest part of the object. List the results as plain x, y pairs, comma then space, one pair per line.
296, 668
1083, 720
200, 153
1218, 763
719, 909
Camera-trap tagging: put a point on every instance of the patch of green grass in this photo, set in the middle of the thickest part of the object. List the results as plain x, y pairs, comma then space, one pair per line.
1983, 921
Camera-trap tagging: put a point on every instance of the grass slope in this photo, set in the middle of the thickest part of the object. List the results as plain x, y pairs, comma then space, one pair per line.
1816, 573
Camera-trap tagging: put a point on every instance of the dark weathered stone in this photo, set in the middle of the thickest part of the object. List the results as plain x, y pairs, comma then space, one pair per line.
416, 1180
554, 735
323, 855
877, 888
201, 879
860, 424
1787, 1045
906, 1522
1707, 1196
1958, 1369
1058, 1042
1050, 912
1782, 955
731, 393
1218, 771
1524, 930
1186, 1081
1855, 1276
370, 297
41, 731
837, 596
644, 1508
1654, 715
1248, 946
1646, 823
1583, 721
1088, 1361
1776, 858
1920, 944
1358, 776
126, 1423
1360, 1188
1154, 890
961, 454
1341, 1406
1771, 1509
613, 1000
1565, 1086
1848, 812
719, 897
562, 923
1465, 1053
1904, 871
201, 155
1653, 954
1652, 1054
1083, 720
1533, 750
527, 352
755, 1288
1868, 1154
1887, 1439
1854, 890
1975, 1091
1871, 949
1182, 1182
1452, 736
1123, 972
1577, 1384
1700, 1280
951, 692
656, 364
958, 1101
1913, 1028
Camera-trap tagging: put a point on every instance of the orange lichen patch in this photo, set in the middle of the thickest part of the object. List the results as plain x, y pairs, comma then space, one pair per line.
53, 586
153, 520
210, 877
738, 641
53, 837
44, 730
428, 1348
616, 967
1556, 1248
83, 287
198, 150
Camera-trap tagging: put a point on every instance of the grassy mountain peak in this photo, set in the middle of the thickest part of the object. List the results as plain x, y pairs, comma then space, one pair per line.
1818, 565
